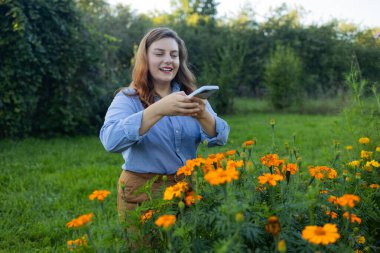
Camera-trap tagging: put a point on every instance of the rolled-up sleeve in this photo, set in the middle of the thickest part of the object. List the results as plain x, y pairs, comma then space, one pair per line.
121, 126
222, 130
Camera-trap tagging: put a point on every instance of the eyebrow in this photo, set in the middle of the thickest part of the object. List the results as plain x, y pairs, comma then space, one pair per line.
163, 50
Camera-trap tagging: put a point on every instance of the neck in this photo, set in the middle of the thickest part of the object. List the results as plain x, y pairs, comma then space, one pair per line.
163, 89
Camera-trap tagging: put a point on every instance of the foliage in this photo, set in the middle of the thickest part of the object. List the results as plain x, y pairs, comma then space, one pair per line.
283, 74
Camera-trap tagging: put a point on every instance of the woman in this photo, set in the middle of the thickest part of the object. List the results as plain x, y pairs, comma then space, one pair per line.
153, 123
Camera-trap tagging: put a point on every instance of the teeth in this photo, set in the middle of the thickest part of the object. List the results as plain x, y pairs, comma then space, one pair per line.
166, 69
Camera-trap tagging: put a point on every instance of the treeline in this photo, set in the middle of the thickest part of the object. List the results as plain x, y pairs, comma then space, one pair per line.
61, 61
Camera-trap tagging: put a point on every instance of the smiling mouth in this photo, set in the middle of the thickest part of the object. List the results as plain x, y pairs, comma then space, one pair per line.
166, 69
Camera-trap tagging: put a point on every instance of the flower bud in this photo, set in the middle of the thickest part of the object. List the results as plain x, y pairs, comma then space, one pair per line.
239, 217
181, 205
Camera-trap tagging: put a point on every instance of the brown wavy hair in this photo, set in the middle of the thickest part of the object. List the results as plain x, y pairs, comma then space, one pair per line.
141, 78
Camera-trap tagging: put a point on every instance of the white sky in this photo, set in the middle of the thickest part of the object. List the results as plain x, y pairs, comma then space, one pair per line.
365, 13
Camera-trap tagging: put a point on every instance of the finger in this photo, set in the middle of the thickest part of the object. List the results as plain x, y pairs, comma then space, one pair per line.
189, 105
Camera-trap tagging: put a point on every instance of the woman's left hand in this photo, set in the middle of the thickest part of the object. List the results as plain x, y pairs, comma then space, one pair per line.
203, 113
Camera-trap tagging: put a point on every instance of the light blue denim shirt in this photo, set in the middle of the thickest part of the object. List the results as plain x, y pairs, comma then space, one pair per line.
165, 147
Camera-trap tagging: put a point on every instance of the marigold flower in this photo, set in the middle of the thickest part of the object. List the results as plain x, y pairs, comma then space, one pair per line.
373, 163
230, 152
365, 154
270, 179
165, 221
374, 186
319, 172
99, 195
146, 216
270, 160
221, 176
360, 239
377, 149
349, 147
354, 218
333, 199
76, 244
175, 190
321, 235
364, 140
323, 192
191, 198
248, 144
354, 163
80, 221
348, 200
291, 167
281, 246
273, 226
333, 215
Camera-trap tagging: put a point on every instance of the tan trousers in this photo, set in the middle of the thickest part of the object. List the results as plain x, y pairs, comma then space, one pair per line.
130, 181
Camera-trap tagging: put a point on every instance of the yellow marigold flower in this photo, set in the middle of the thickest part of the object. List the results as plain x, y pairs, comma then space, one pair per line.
354, 163
348, 200
373, 163
191, 198
321, 235
364, 140
374, 186
333, 215
270, 179
165, 221
377, 149
365, 154
349, 147
323, 192
291, 167
146, 216
80, 221
175, 190
354, 218
99, 195
273, 226
360, 239
230, 152
281, 246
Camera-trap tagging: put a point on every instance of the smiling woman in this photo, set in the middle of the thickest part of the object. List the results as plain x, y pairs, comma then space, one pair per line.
153, 123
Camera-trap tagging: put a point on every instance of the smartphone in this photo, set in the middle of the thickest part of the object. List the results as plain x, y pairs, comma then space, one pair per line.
204, 92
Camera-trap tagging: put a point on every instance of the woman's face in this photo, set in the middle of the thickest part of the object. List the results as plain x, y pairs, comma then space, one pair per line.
163, 60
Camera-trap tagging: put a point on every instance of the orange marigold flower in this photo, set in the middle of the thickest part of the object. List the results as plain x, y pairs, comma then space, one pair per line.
365, 154
319, 172
348, 200
374, 186
270, 160
221, 176
333, 199
364, 140
230, 152
291, 167
270, 179
354, 163
165, 221
80, 221
146, 216
248, 144
191, 198
354, 218
273, 226
321, 235
76, 244
99, 195
175, 190
333, 215
349, 147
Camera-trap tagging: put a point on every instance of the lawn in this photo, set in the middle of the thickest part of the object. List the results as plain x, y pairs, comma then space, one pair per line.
46, 183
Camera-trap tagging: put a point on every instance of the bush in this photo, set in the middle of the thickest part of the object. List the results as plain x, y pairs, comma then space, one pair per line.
283, 74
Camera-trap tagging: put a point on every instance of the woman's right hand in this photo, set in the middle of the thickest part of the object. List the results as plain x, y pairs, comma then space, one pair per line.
177, 104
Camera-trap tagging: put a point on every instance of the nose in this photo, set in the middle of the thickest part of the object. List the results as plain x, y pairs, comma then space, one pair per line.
168, 59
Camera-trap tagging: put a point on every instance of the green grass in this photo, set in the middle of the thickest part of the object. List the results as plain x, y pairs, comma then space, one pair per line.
46, 183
